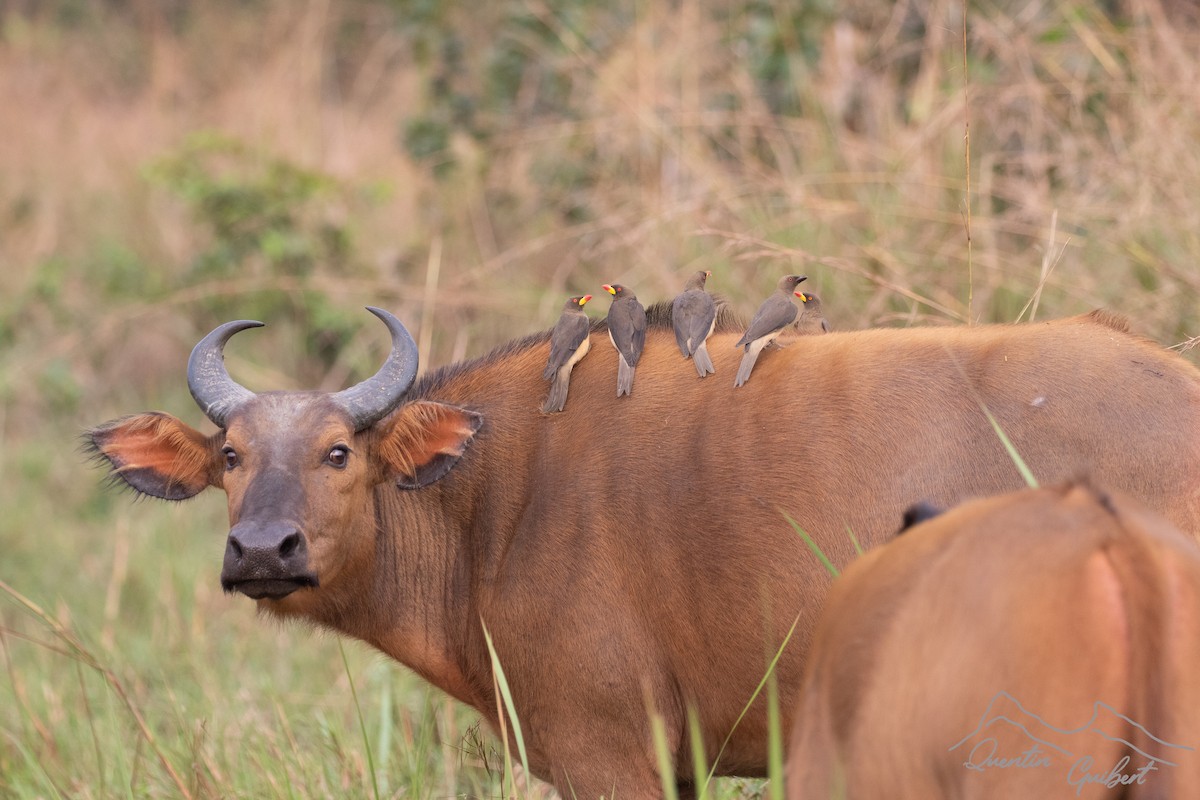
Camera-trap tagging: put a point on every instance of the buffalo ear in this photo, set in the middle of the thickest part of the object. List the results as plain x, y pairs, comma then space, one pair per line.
423, 441
156, 454
917, 513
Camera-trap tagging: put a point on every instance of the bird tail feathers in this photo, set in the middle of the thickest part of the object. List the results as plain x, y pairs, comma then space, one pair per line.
746, 366
703, 362
557, 399
624, 376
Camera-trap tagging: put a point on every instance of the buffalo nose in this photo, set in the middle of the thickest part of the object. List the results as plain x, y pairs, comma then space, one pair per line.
264, 551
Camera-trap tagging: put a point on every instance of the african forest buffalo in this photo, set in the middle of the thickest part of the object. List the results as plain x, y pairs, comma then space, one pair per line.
637, 551
1037, 644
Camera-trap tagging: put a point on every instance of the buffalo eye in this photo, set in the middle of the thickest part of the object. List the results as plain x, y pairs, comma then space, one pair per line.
338, 456
231, 457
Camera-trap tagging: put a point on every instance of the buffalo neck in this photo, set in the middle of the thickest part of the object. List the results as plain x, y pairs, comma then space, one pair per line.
438, 548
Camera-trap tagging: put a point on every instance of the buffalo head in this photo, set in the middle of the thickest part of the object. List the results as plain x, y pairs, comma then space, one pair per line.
299, 468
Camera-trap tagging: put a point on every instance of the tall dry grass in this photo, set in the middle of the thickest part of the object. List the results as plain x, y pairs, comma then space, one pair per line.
486, 160
660, 147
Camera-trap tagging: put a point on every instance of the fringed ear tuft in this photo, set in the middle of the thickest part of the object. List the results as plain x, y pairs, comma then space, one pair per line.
424, 441
155, 454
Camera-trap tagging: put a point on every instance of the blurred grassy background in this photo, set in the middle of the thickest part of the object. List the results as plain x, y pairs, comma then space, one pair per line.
167, 166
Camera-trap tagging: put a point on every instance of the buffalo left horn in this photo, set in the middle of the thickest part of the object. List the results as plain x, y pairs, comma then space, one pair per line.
213, 390
374, 398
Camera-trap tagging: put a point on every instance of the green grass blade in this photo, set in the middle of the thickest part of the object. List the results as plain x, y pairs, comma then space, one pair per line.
362, 723
1022, 467
753, 696
508, 779
774, 741
507, 695
808, 540
666, 769
699, 768
854, 541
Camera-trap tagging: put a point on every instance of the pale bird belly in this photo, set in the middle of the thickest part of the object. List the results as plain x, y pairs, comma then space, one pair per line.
580, 352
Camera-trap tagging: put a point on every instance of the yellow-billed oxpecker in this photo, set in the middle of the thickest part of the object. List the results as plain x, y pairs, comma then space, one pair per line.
776, 313
569, 342
694, 314
811, 320
627, 330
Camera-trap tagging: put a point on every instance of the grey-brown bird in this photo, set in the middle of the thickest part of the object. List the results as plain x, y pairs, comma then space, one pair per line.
776, 313
627, 331
694, 314
569, 342
811, 320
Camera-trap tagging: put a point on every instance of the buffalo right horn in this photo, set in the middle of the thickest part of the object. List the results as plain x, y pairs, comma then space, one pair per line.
374, 398
213, 390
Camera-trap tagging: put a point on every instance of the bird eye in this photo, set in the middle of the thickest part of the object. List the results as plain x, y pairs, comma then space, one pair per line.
338, 456
231, 457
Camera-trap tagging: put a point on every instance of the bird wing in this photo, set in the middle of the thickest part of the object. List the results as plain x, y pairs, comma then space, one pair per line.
627, 327
775, 312
638, 314
568, 333
693, 317
679, 321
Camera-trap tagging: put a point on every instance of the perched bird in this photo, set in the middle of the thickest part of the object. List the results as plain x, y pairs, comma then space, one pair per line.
776, 313
569, 342
627, 330
694, 314
810, 320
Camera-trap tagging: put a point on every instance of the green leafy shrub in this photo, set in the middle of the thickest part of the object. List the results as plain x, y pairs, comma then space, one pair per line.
257, 208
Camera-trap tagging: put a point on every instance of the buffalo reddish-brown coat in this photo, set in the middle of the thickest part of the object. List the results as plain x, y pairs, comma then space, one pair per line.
637, 548
1042, 643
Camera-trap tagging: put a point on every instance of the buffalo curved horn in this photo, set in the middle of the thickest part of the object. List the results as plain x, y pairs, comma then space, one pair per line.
372, 400
213, 390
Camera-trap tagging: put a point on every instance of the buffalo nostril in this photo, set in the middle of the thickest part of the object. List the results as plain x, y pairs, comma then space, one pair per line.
236, 547
289, 545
